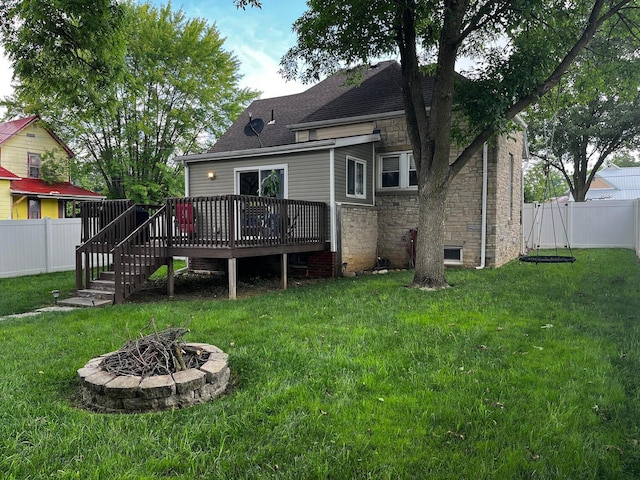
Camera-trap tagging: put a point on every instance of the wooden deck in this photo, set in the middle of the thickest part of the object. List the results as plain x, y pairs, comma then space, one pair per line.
129, 242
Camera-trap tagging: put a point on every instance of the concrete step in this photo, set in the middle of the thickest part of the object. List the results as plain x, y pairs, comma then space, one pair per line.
84, 302
99, 294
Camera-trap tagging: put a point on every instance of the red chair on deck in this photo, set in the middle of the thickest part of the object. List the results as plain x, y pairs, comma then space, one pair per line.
186, 219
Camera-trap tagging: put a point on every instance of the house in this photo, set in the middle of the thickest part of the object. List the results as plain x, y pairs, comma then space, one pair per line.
24, 146
615, 183
347, 146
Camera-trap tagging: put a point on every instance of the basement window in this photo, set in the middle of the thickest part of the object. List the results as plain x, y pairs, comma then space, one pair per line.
452, 255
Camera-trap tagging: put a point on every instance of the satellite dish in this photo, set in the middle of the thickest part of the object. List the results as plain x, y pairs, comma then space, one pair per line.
254, 127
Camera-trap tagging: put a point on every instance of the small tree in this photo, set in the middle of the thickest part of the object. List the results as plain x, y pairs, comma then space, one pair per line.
270, 186
54, 168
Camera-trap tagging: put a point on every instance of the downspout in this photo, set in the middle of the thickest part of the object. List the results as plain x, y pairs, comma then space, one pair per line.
332, 198
186, 179
485, 180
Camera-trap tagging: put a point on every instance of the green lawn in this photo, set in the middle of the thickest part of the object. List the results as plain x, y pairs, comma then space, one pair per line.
515, 373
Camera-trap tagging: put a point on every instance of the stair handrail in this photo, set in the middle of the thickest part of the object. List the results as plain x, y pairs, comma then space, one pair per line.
154, 247
104, 233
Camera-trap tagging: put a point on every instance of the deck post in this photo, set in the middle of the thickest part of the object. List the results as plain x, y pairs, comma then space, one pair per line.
171, 284
233, 279
283, 272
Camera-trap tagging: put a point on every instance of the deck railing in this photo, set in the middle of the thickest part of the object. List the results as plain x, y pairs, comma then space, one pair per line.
140, 254
97, 215
95, 253
133, 245
236, 221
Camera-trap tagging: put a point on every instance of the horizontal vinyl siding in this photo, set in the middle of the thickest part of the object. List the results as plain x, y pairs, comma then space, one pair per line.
361, 152
344, 131
308, 175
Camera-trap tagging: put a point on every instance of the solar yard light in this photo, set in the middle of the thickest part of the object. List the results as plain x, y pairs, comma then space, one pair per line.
56, 294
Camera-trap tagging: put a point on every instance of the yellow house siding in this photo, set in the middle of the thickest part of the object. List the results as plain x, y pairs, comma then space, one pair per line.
19, 211
32, 139
49, 208
5, 200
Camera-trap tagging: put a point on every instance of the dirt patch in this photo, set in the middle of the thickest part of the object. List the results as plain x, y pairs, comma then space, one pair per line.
199, 286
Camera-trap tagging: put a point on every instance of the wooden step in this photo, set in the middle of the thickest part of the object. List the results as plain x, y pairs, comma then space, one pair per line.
104, 285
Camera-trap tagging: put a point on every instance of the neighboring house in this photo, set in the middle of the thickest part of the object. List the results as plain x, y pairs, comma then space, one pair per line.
24, 145
347, 146
615, 183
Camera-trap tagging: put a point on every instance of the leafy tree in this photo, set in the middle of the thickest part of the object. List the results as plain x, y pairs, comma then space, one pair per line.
54, 168
625, 160
60, 44
542, 183
594, 113
177, 90
523, 47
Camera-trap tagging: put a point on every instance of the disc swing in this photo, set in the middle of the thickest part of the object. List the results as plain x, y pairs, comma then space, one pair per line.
557, 257
536, 257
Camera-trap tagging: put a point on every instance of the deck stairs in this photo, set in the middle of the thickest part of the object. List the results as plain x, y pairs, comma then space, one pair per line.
117, 264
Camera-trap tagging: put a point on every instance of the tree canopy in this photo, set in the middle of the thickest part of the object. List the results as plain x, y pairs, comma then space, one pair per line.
522, 49
177, 90
57, 44
594, 113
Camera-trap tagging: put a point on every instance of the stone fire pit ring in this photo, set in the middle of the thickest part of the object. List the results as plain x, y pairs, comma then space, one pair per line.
109, 393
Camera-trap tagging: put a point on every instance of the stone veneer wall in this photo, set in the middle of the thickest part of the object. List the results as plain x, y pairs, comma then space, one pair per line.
398, 210
398, 215
506, 239
359, 237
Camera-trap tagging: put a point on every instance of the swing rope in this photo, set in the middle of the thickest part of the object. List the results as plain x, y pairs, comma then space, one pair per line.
546, 195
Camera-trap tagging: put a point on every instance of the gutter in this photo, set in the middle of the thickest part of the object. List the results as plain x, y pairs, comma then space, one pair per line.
281, 149
485, 181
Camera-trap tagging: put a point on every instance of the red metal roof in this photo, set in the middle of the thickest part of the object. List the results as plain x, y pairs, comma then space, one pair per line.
35, 186
7, 175
9, 129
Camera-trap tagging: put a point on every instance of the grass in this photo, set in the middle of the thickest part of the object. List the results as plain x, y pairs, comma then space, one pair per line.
520, 372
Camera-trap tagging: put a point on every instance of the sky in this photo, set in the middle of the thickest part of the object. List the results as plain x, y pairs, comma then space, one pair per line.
257, 37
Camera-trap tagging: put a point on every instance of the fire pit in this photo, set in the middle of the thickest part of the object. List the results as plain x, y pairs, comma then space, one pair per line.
154, 373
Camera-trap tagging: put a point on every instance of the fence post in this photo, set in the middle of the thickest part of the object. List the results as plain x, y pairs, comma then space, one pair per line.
48, 245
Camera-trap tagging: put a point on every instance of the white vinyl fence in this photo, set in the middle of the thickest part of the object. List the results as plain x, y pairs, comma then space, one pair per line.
595, 224
28, 247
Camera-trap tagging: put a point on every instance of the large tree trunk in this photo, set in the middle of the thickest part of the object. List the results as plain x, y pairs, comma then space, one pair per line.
434, 173
429, 268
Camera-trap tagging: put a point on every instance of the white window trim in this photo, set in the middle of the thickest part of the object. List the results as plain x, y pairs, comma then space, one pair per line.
258, 168
364, 177
452, 261
404, 165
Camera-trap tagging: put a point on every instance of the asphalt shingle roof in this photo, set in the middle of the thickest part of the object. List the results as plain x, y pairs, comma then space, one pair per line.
379, 92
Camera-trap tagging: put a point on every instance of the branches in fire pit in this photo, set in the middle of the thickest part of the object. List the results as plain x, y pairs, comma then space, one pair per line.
159, 353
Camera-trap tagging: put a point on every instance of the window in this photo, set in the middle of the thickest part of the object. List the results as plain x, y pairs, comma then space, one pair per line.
397, 170
356, 175
34, 208
34, 163
249, 180
452, 255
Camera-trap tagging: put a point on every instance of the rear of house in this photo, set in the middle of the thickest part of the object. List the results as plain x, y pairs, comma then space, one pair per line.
347, 146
